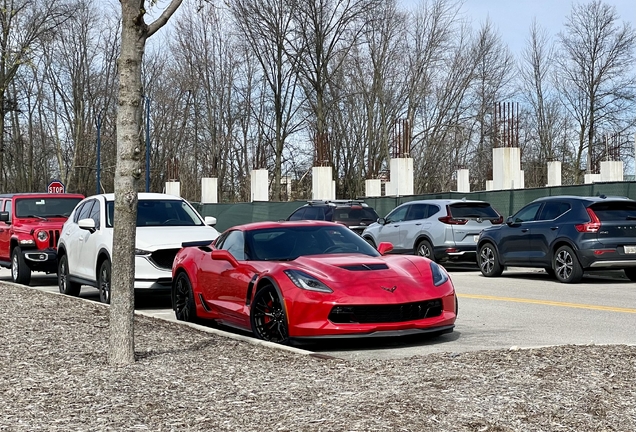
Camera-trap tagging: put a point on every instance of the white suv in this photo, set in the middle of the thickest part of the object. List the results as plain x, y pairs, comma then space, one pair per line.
164, 222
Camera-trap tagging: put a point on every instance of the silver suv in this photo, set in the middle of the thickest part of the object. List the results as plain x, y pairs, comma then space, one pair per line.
442, 230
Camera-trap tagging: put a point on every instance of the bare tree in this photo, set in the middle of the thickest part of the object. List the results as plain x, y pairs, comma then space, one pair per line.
594, 75
134, 34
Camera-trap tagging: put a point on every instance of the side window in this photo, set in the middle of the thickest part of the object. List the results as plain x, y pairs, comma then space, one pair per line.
528, 213
398, 215
417, 211
553, 209
235, 244
78, 211
85, 211
432, 209
314, 213
7, 208
95, 213
298, 214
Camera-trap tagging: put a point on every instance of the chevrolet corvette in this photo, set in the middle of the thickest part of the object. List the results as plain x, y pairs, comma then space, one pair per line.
302, 280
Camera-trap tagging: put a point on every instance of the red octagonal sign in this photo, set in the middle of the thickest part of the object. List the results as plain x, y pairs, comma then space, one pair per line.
56, 186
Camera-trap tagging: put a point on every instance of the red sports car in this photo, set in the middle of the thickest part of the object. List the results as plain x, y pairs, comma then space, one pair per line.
295, 280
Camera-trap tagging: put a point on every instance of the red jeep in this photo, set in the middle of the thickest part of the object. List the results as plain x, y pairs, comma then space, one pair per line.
30, 225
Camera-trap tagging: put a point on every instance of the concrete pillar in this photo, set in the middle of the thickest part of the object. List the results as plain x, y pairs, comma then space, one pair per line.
209, 190
373, 187
173, 188
463, 180
322, 185
401, 173
592, 178
259, 190
611, 171
286, 183
506, 168
489, 185
554, 173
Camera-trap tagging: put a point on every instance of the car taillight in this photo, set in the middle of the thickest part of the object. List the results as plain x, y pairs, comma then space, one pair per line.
592, 226
497, 221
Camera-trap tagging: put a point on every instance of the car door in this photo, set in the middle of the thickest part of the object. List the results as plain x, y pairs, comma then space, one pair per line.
515, 236
90, 245
390, 231
77, 261
5, 232
225, 286
544, 231
416, 221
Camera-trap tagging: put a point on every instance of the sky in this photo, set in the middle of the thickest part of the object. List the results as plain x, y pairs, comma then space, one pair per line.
512, 18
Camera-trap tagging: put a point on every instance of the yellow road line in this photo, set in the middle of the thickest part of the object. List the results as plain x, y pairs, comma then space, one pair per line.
548, 303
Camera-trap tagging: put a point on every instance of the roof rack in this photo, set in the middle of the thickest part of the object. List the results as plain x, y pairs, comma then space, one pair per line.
337, 201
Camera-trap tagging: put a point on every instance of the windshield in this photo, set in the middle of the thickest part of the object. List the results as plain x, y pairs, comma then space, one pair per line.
291, 242
45, 207
159, 213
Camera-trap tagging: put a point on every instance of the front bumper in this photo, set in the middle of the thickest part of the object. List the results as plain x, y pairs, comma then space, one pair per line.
150, 277
41, 259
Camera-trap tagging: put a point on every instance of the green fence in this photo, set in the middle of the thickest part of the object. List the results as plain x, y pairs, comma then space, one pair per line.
506, 202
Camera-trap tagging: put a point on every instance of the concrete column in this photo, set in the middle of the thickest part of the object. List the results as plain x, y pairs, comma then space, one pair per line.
463, 180
373, 187
173, 188
554, 173
401, 173
506, 168
209, 190
259, 181
286, 182
322, 185
611, 171
592, 178
489, 185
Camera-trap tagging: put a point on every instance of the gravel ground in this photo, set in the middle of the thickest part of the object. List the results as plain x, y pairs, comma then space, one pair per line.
54, 376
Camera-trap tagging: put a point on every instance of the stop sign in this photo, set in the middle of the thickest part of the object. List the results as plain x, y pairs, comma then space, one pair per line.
56, 186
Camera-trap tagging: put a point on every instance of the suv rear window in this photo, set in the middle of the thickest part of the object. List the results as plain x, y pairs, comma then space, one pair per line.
472, 210
615, 210
354, 214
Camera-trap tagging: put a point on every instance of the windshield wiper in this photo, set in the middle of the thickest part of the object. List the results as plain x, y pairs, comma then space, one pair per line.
631, 217
36, 216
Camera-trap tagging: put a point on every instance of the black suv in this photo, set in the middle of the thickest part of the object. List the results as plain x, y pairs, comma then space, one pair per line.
355, 214
565, 235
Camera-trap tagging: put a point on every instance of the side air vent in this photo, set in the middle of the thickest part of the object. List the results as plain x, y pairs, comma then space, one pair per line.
365, 267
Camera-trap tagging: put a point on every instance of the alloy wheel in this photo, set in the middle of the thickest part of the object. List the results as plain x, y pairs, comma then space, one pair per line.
487, 260
270, 322
563, 264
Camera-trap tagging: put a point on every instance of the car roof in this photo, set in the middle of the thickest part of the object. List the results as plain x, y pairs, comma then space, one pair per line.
591, 199
280, 224
140, 196
445, 201
40, 195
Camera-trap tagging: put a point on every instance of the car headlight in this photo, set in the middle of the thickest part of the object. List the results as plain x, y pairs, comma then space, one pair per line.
439, 274
43, 236
304, 281
142, 252
27, 242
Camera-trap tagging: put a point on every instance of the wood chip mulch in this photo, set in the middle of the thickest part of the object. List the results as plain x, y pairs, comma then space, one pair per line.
54, 376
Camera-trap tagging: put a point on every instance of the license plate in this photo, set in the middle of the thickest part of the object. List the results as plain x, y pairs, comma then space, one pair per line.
476, 238
630, 249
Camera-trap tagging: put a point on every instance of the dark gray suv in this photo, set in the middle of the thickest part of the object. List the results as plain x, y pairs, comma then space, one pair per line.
442, 230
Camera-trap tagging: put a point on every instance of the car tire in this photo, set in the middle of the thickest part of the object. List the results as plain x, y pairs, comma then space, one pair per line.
425, 249
566, 265
183, 299
20, 272
370, 241
104, 282
268, 317
631, 273
488, 260
65, 285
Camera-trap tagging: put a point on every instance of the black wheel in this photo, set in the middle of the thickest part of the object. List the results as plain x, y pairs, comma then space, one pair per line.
370, 241
631, 273
425, 249
269, 321
65, 285
20, 272
566, 266
489, 261
183, 299
549, 271
103, 282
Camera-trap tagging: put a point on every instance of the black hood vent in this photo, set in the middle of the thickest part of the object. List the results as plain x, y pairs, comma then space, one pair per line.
365, 267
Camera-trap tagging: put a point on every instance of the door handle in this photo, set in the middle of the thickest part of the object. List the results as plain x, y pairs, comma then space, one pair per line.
554, 228
418, 224
524, 230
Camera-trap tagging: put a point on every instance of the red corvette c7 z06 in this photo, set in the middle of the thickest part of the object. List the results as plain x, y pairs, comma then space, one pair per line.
296, 280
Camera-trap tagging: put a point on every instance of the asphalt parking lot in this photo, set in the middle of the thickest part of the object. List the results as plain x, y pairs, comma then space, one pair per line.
521, 309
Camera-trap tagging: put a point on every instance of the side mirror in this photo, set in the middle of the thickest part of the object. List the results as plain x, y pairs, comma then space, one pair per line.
223, 255
87, 224
4, 216
210, 220
510, 221
385, 247
381, 221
